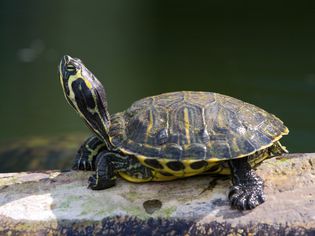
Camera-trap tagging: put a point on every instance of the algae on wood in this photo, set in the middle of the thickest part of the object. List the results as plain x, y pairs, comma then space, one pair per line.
59, 202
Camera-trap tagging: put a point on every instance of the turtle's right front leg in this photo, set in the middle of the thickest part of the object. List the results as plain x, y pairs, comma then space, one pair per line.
86, 155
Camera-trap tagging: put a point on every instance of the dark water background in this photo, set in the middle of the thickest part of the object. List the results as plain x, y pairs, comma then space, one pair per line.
261, 53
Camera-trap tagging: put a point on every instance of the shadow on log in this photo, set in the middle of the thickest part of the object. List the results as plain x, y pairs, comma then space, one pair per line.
54, 202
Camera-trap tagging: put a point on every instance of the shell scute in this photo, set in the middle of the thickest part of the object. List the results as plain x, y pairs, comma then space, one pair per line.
195, 151
162, 136
259, 139
172, 151
219, 149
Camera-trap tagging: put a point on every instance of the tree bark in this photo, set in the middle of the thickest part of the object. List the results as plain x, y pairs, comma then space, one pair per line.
54, 202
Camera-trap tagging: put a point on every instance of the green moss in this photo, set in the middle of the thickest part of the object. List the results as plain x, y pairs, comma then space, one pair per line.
83, 213
131, 196
168, 211
67, 202
282, 159
8, 181
137, 211
102, 212
91, 205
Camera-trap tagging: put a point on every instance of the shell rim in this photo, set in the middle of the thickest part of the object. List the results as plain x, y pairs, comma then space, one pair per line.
212, 159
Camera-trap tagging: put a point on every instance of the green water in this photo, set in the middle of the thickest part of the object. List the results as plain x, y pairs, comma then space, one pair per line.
262, 54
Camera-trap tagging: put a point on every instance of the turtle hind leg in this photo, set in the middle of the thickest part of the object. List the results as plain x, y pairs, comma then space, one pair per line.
86, 155
108, 163
247, 191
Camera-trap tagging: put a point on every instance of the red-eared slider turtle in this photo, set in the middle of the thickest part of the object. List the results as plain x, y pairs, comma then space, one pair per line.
172, 135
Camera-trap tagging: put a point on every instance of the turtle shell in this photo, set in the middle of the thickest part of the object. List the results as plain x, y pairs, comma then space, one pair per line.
193, 126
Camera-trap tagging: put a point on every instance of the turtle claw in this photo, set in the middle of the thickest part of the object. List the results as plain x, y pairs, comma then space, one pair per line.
85, 158
99, 183
82, 164
82, 161
245, 197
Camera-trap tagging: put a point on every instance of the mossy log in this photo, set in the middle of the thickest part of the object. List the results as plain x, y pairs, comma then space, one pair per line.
54, 202
56, 152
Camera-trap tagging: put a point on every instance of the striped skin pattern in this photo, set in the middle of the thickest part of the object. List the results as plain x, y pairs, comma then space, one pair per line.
86, 95
186, 133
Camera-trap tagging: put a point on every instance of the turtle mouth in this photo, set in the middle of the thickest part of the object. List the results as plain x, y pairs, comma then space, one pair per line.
63, 75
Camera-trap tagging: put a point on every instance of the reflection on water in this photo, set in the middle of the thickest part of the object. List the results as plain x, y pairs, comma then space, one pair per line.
142, 49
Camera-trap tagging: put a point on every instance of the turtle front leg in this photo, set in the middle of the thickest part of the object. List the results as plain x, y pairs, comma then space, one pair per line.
247, 191
105, 172
86, 155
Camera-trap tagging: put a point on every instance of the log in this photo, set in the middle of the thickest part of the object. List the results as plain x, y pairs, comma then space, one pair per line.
58, 202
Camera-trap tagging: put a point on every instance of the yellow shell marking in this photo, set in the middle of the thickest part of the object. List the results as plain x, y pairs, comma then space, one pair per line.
133, 179
184, 172
187, 125
213, 166
150, 125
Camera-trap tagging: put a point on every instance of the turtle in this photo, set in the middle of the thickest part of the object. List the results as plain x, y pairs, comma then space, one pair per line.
171, 136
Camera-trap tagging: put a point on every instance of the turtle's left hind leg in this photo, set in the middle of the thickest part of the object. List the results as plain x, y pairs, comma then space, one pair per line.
108, 163
247, 191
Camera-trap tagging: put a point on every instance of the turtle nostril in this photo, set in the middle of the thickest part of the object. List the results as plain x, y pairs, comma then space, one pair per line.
67, 58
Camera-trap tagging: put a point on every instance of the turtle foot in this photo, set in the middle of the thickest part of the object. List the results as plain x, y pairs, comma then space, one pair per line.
99, 183
82, 161
246, 197
82, 164
85, 158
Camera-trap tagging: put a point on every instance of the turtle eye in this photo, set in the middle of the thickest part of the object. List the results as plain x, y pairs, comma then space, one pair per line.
70, 68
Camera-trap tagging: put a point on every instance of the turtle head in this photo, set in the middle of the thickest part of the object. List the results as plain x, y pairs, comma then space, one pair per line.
85, 94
